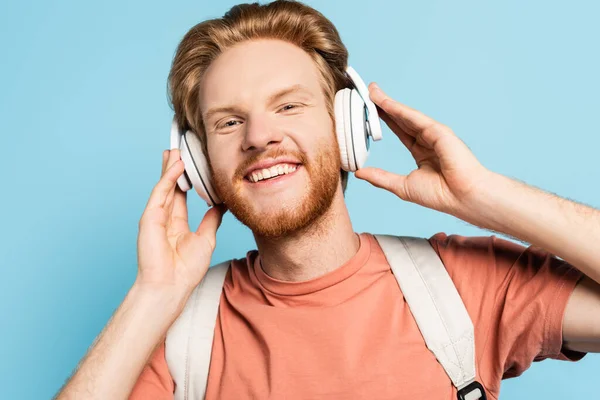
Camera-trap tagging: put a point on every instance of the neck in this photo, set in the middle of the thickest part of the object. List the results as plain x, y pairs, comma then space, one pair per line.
317, 249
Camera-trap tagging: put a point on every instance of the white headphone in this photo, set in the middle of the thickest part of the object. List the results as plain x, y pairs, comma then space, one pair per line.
356, 120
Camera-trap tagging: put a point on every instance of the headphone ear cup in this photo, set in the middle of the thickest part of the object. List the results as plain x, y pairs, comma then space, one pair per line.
184, 181
358, 121
341, 109
197, 168
176, 135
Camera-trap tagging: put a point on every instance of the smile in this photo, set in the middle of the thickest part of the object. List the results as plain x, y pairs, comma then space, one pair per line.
274, 172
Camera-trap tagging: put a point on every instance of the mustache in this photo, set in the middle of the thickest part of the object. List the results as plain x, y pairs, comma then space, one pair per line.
271, 153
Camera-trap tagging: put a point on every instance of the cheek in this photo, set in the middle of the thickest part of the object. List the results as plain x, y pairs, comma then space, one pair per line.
220, 162
312, 133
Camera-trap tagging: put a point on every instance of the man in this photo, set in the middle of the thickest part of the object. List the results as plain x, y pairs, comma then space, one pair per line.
316, 312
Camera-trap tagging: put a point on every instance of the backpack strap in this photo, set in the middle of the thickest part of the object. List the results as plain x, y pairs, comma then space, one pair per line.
188, 344
437, 308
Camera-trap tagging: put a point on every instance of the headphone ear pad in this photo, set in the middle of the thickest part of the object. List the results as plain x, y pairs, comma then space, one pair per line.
342, 125
197, 168
359, 139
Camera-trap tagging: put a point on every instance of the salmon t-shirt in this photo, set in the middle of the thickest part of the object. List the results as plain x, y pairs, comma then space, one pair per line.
350, 334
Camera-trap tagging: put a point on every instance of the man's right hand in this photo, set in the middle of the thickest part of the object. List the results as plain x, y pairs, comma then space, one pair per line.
169, 254
171, 262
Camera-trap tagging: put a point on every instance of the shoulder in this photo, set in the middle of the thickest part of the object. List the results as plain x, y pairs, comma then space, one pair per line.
486, 253
475, 246
483, 268
489, 266
498, 254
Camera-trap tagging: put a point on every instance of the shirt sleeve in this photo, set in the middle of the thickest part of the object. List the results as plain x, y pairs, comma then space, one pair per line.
155, 381
516, 296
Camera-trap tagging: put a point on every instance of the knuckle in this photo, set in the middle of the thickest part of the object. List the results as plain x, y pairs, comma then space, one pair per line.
153, 215
431, 128
386, 103
209, 240
143, 220
397, 186
445, 129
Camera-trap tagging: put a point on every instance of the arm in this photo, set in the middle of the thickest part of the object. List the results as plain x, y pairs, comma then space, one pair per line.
119, 354
172, 260
450, 179
561, 227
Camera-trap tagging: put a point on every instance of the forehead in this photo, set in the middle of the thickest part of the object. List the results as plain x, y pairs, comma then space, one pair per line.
250, 71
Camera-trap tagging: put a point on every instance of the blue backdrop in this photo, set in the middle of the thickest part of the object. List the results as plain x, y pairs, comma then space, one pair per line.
84, 118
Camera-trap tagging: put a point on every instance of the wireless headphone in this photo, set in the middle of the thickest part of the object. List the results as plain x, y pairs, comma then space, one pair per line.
356, 120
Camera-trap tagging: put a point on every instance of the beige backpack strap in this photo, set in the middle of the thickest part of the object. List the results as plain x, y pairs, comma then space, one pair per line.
437, 308
188, 343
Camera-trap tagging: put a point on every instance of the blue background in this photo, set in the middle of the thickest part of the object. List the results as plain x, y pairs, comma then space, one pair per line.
84, 118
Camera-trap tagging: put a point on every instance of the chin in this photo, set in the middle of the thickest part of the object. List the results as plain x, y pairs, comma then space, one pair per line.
283, 214
280, 215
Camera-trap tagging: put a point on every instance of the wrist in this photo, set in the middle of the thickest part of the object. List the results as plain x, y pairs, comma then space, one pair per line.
168, 299
483, 207
110, 369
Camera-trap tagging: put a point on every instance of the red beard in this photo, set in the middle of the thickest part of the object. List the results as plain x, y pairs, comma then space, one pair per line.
324, 178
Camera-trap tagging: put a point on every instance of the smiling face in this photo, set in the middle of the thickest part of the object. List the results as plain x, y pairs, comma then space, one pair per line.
270, 139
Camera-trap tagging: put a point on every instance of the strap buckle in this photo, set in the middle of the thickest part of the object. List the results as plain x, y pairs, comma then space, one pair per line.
473, 391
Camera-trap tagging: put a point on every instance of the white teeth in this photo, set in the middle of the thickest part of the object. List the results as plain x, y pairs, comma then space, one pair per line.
276, 170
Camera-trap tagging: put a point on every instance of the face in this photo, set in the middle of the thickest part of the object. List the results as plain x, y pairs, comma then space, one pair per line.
271, 142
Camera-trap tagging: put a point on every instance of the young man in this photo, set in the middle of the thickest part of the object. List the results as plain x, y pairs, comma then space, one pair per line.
315, 312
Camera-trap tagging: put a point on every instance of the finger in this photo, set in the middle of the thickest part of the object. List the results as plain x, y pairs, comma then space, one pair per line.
426, 131
165, 157
178, 213
406, 139
173, 157
383, 179
169, 201
210, 223
165, 185
414, 121
180, 205
174, 223
416, 149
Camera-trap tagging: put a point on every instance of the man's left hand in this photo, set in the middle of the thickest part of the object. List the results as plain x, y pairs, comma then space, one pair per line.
448, 176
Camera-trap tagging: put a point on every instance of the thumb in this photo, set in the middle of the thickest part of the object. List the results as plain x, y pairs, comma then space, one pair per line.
211, 222
384, 179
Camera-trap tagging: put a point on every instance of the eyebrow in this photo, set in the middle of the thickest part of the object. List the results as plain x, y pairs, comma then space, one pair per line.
272, 98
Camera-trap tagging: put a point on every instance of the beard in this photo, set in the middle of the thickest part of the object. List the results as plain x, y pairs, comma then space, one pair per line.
324, 178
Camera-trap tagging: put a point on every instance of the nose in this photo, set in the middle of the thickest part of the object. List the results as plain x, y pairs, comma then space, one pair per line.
260, 133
